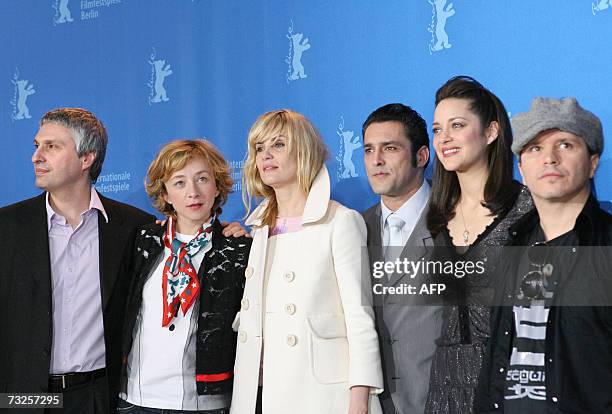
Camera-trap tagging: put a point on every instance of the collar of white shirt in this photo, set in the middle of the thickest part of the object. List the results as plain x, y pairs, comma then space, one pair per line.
410, 211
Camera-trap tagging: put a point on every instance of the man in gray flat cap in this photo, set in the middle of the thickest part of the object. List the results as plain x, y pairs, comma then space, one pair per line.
551, 343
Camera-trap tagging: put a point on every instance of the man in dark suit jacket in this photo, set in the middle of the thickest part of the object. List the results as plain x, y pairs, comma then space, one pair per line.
64, 257
396, 147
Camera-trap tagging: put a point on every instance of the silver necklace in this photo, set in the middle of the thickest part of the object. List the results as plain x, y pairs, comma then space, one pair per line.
466, 233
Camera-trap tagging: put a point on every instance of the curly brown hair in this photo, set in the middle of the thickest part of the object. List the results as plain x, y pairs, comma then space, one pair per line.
174, 156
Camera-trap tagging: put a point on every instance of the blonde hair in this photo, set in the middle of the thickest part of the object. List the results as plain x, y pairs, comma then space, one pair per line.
303, 140
175, 155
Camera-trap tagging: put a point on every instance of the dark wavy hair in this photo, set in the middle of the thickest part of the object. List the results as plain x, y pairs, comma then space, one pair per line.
500, 189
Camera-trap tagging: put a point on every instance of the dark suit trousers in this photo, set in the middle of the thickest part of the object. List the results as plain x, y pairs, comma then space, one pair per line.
89, 398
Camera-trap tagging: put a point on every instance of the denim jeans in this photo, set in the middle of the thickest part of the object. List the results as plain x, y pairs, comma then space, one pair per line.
124, 407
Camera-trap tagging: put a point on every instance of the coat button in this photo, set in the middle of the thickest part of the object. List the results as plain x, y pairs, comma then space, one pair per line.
496, 405
289, 276
242, 336
291, 340
290, 308
554, 399
248, 272
244, 304
45, 352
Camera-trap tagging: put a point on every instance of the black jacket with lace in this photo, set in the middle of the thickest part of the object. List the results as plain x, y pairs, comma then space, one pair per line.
221, 278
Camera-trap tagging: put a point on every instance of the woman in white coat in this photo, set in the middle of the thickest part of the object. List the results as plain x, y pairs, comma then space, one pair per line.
306, 336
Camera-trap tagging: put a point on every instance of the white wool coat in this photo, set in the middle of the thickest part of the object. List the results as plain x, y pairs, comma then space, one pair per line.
307, 311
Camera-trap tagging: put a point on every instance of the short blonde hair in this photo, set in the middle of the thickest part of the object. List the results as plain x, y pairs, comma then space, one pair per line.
303, 140
174, 156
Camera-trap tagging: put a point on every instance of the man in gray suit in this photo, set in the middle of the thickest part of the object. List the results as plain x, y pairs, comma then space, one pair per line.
396, 147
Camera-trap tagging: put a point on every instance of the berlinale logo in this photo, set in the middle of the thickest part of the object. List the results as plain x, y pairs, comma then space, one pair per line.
600, 5
23, 89
297, 46
349, 142
62, 12
441, 12
159, 72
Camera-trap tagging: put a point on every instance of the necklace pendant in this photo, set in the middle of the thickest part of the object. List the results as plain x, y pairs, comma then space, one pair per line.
466, 236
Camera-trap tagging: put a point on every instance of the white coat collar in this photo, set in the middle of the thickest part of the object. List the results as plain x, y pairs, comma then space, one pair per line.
316, 203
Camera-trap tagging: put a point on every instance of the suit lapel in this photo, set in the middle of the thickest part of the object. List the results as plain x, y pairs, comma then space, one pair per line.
372, 219
420, 236
111, 246
35, 254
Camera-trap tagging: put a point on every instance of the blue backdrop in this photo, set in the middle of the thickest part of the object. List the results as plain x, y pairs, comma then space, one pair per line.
157, 70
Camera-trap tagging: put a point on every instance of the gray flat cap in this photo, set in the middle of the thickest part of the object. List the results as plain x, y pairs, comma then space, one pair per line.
563, 114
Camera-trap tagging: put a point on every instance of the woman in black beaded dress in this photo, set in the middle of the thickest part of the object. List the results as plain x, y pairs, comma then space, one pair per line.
474, 200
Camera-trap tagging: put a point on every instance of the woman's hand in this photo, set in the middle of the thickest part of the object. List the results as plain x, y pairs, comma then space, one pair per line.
360, 397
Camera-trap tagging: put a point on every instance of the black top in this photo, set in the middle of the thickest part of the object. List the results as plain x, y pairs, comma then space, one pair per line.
465, 319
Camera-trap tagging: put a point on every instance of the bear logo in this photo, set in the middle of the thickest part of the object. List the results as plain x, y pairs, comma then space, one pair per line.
160, 72
441, 12
600, 5
297, 46
62, 12
349, 142
23, 90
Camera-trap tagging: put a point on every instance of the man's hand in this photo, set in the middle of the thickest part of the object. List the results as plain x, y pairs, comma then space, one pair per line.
234, 229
